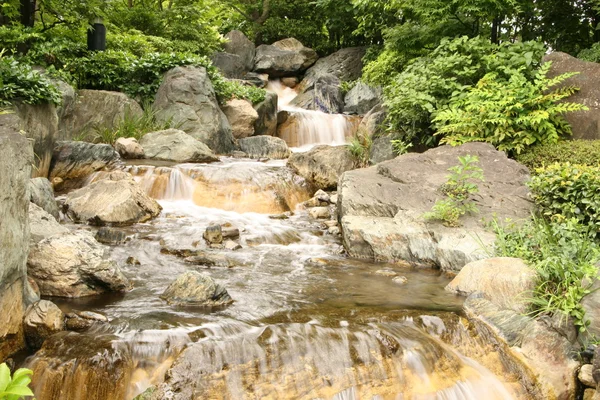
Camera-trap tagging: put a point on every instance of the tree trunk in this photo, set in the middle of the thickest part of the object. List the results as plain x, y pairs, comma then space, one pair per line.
495, 30
27, 9
130, 3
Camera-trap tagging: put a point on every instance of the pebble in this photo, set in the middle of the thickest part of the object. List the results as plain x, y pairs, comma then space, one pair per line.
400, 280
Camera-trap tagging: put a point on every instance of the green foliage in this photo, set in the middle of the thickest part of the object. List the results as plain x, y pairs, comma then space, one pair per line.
512, 115
19, 82
569, 191
400, 146
360, 149
229, 89
583, 152
564, 258
458, 191
592, 54
17, 386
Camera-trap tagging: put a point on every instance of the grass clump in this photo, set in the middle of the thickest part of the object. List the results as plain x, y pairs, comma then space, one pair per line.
583, 152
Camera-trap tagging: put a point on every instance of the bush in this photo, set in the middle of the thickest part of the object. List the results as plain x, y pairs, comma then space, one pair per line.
569, 191
360, 149
19, 82
512, 115
583, 152
16, 387
564, 258
592, 54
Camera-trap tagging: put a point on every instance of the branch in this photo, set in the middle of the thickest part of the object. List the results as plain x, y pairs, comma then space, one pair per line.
265, 14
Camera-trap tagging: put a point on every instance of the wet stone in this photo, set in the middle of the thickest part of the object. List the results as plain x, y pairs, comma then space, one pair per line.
231, 245
132, 261
585, 375
42, 320
213, 234
111, 236
400, 280
196, 289
319, 212
230, 232
386, 272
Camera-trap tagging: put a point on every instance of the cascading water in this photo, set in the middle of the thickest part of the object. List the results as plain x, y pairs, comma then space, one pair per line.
304, 129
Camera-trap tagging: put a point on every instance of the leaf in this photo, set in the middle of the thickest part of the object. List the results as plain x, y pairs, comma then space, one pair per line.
4, 377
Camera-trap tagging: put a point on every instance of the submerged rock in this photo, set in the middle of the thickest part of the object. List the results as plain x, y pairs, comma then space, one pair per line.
42, 320
42, 194
176, 145
111, 236
322, 165
196, 289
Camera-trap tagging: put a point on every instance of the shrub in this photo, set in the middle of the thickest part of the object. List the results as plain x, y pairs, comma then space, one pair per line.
16, 387
458, 190
564, 258
20, 82
512, 115
583, 152
592, 54
569, 191
360, 149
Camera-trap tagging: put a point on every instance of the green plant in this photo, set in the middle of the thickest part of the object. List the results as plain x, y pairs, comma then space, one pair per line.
400, 146
458, 190
347, 86
17, 386
512, 115
564, 258
569, 191
360, 149
583, 152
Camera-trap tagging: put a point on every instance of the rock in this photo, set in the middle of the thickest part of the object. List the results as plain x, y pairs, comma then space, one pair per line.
114, 201
57, 183
589, 394
585, 375
129, 148
74, 162
230, 232
213, 234
319, 212
382, 150
231, 66
258, 80
84, 320
186, 98
42, 320
132, 261
400, 280
42, 225
266, 124
196, 289
361, 99
321, 195
346, 64
322, 165
381, 208
241, 116
290, 81
176, 145
591, 306
372, 122
323, 93
596, 365
98, 109
231, 245
111, 236
264, 146
73, 265
238, 44
334, 230
16, 158
585, 124
333, 199
287, 57
506, 282
42, 194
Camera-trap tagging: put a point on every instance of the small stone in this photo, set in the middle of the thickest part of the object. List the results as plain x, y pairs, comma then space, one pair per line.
333, 199
110, 236
129, 148
94, 316
230, 232
42, 320
290, 81
57, 183
321, 195
239, 154
133, 261
400, 280
213, 234
314, 202
319, 212
231, 245
279, 216
589, 394
585, 375
386, 272
330, 223
334, 230
196, 289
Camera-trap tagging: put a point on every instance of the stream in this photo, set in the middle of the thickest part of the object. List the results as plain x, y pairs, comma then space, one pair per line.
306, 323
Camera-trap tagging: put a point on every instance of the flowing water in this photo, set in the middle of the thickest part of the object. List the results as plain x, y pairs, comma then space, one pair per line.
307, 322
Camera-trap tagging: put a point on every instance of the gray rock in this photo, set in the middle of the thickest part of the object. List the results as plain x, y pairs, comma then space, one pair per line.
506, 282
266, 124
258, 80
238, 44
241, 116
186, 98
264, 146
323, 93
290, 81
382, 150
585, 124
129, 148
16, 158
591, 306
73, 265
230, 65
319, 212
585, 375
213, 234
176, 145
40, 124
361, 99
42, 320
42, 194
231, 245
116, 200
381, 207
110, 236
346, 64
42, 225
196, 289
286, 57
74, 162
322, 165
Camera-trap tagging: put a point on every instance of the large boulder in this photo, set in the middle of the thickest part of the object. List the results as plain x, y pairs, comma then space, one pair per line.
115, 200
264, 147
266, 123
238, 44
361, 99
196, 289
591, 306
129, 148
42, 225
323, 94
74, 162
322, 165
187, 98
506, 282
16, 157
42, 194
231, 66
98, 109
287, 57
585, 124
40, 124
74, 265
42, 320
241, 116
381, 208
176, 145
346, 64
